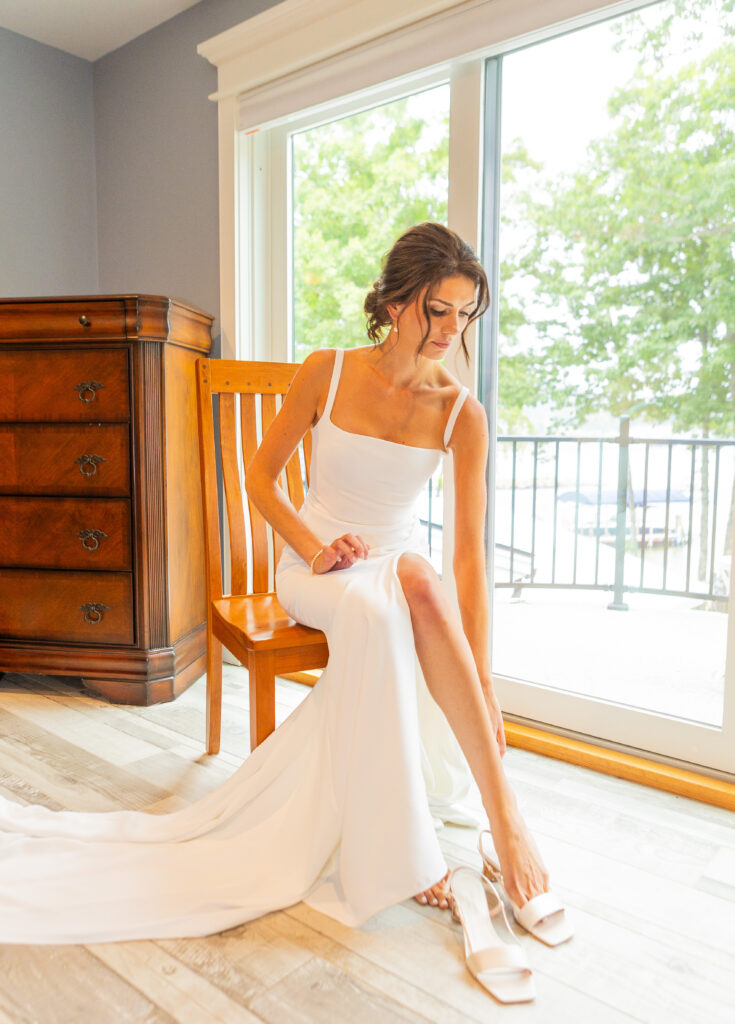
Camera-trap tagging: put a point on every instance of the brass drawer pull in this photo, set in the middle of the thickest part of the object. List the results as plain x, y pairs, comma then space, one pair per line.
88, 464
91, 539
93, 612
87, 390
84, 320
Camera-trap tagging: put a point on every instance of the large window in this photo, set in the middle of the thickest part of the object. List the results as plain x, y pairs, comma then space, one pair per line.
606, 362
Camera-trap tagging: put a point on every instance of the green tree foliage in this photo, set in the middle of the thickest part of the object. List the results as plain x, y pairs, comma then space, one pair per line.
358, 183
631, 259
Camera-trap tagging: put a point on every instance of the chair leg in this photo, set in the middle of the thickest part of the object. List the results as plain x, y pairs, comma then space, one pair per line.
214, 691
262, 672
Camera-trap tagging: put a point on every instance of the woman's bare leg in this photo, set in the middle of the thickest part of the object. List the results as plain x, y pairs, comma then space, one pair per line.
451, 676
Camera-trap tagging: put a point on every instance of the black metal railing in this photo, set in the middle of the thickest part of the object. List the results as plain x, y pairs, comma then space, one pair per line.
640, 519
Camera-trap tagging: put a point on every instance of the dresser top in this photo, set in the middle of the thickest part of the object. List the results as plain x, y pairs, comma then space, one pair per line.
104, 318
126, 298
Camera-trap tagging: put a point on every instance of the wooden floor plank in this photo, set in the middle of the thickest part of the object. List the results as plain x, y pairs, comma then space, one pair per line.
68, 985
427, 951
184, 994
209, 957
62, 763
23, 792
666, 840
132, 721
257, 948
319, 993
65, 721
387, 982
653, 804
175, 769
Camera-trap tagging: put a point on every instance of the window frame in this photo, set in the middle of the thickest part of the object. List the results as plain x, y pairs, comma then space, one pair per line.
255, 261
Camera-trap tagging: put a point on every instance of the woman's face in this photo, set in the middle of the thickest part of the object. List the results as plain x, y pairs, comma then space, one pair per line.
450, 305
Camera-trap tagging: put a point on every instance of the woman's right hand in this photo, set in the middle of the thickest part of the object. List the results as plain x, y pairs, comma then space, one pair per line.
342, 553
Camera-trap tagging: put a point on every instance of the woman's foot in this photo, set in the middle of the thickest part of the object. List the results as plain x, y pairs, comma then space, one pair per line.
435, 896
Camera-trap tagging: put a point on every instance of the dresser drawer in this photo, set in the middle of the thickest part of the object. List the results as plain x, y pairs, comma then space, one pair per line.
78, 385
83, 607
91, 458
80, 320
65, 533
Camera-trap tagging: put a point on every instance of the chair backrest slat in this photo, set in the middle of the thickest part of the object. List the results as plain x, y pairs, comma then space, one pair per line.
267, 415
233, 493
307, 455
295, 483
268, 412
258, 385
208, 468
258, 525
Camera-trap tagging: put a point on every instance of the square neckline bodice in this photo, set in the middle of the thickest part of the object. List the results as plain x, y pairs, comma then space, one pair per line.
332, 394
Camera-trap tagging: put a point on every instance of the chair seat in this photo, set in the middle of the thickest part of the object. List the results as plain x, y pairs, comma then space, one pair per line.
259, 623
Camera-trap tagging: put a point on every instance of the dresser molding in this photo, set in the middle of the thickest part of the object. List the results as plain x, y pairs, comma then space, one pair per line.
141, 417
120, 674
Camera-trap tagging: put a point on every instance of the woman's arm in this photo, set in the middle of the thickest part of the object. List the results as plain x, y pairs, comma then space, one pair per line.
297, 414
469, 445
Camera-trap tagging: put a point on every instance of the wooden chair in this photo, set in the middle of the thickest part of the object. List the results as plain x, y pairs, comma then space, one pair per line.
249, 621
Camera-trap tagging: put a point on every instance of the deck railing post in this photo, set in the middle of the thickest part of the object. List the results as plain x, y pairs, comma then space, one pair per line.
617, 604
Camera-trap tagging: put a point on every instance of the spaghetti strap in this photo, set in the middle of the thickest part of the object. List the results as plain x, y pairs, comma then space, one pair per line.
458, 403
334, 382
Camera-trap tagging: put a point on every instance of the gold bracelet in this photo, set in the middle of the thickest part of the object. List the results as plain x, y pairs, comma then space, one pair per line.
311, 564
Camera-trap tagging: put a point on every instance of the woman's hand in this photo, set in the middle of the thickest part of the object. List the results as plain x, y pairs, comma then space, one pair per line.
496, 716
524, 872
340, 554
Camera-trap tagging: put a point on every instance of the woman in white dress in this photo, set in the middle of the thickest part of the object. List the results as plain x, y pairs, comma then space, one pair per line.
332, 808
394, 401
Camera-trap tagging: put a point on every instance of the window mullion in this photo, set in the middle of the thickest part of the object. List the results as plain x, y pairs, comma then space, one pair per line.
488, 362
465, 153
277, 293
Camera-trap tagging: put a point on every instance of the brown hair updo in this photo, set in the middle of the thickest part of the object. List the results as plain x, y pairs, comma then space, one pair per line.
420, 259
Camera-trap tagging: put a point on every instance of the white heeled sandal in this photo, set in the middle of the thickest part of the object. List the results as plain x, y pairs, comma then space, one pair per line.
492, 952
543, 916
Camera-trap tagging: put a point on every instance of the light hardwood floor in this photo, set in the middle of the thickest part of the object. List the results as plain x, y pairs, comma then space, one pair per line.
648, 877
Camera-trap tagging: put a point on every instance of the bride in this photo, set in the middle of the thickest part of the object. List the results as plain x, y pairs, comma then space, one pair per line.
332, 807
397, 393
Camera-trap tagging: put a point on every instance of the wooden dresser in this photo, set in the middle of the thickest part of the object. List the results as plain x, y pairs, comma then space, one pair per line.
101, 543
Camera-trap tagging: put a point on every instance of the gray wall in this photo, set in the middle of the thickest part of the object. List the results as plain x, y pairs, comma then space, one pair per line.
48, 228
108, 171
156, 154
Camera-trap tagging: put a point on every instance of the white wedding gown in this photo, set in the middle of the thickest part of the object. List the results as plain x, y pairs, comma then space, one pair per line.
338, 807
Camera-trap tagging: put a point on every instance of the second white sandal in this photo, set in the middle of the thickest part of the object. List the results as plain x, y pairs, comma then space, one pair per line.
492, 952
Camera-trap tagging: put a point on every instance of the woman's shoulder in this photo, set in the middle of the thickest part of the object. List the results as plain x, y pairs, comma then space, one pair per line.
317, 367
311, 382
470, 428
319, 360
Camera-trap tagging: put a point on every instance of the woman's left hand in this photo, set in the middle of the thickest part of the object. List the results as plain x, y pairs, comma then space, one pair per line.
496, 717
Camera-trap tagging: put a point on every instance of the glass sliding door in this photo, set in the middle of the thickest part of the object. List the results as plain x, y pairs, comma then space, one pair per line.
610, 377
